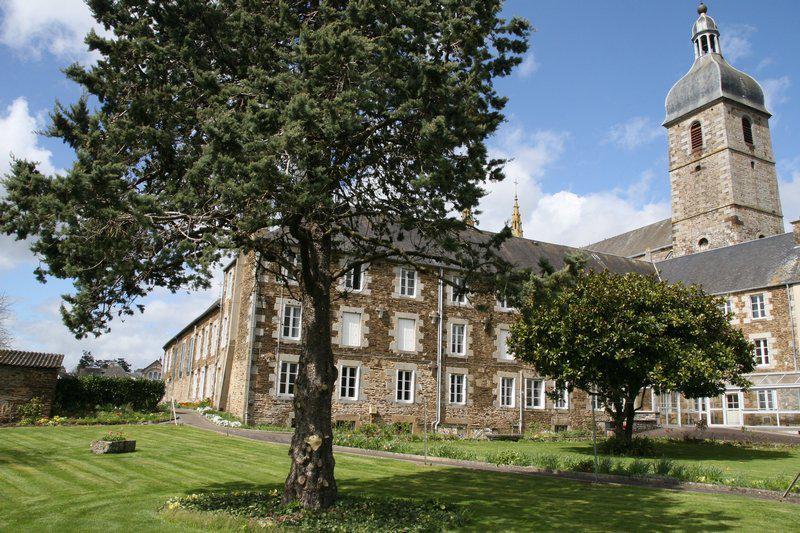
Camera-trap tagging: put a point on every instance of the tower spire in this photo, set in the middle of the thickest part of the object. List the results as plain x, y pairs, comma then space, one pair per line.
516, 218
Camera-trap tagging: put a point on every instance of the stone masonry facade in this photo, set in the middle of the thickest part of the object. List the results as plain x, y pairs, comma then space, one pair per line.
21, 385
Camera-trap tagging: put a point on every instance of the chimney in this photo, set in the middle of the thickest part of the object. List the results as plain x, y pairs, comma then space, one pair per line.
796, 231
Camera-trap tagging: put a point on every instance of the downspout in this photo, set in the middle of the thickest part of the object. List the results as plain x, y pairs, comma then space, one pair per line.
253, 308
790, 300
439, 355
278, 344
521, 402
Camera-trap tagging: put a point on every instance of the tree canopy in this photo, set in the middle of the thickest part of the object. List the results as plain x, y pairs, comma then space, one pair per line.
314, 136
617, 335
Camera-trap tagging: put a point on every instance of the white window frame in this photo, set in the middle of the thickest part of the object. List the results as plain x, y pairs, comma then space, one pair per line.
409, 383
458, 292
348, 342
501, 344
502, 303
292, 318
350, 278
408, 284
595, 402
562, 398
347, 387
284, 378
728, 397
457, 388
534, 401
507, 394
761, 351
767, 400
401, 337
458, 339
758, 306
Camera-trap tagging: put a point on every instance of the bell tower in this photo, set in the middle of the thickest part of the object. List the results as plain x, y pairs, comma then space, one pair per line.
724, 187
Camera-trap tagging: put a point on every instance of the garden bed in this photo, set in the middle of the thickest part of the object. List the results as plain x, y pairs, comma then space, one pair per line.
352, 512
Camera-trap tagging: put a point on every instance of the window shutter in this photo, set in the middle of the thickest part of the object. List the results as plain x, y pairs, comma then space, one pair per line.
406, 334
351, 329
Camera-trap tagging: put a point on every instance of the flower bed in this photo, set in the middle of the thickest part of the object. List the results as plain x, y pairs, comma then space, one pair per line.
352, 512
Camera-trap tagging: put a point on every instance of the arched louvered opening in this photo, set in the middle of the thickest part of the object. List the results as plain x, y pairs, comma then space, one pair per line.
747, 130
696, 134
704, 44
702, 243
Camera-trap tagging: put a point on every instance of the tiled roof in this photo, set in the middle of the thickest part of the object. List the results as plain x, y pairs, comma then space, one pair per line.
31, 359
633, 243
211, 309
757, 264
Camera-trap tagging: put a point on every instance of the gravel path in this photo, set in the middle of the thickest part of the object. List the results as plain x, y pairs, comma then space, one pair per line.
194, 419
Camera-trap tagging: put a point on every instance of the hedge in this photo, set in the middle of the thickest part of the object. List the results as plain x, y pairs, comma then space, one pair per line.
85, 393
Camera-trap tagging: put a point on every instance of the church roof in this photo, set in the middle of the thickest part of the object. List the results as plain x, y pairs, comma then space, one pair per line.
634, 243
757, 264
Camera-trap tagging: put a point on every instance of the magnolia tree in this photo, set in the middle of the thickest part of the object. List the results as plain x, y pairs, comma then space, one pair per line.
313, 136
618, 335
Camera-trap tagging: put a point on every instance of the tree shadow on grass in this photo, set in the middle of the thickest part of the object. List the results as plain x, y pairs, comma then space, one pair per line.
514, 502
702, 451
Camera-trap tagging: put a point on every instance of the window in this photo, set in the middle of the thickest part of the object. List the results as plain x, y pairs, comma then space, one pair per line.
190, 355
700, 405
458, 339
291, 321
502, 302
562, 400
534, 393
596, 402
727, 308
353, 278
507, 392
286, 378
458, 389
182, 358
502, 344
747, 130
696, 134
459, 293
348, 383
351, 329
408, 282
406, 334
761, 351
405, 386
732, 400
766, 400
285, 273
758, 308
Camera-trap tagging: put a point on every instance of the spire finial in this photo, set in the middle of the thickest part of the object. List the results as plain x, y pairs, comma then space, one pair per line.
702, 9
516, 218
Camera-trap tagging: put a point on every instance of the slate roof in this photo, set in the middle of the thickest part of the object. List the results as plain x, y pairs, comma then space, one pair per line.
634, 243
213, 307
31, 359
761, 263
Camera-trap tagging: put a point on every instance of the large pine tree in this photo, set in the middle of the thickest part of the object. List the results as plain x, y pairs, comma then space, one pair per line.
313, 135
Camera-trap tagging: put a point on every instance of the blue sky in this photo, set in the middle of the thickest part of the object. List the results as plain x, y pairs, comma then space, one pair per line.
583, 130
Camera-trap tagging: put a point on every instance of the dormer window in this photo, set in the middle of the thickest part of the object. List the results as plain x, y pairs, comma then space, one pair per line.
696, 135
747, 130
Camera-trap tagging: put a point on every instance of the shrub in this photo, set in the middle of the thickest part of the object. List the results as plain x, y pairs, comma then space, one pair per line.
638, 468
87, 393
546, 461
452, 452
663, 467
578, 465
114, 436
509, 457
638, 447
30, 412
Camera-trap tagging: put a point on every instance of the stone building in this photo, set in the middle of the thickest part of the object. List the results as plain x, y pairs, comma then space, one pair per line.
410, 350
151, 371
25, 376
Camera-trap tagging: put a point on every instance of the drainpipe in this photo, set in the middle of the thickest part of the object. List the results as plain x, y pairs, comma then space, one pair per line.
521, 402
790, 301
253, 309
439, 354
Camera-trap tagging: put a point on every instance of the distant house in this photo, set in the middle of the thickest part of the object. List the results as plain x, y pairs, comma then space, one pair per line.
109, 369
151, 371
24, 376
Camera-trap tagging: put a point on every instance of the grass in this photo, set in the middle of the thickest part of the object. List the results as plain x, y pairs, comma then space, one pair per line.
50, 481
748, 462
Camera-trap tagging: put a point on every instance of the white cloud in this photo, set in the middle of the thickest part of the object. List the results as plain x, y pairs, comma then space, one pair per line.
58, 27
775, 91
528, 66
789, 187
735, 40
563, 216
633, 133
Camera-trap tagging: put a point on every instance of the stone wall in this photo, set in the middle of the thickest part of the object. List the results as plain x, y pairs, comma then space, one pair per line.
21, 384
727, 191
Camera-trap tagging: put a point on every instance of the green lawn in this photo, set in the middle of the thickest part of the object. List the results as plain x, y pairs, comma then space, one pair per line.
50, 481
753, 463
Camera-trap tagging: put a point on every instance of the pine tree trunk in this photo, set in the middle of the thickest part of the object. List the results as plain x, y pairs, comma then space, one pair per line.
311, 480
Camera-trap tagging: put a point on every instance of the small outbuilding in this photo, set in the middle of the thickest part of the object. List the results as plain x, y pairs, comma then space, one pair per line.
24, 376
